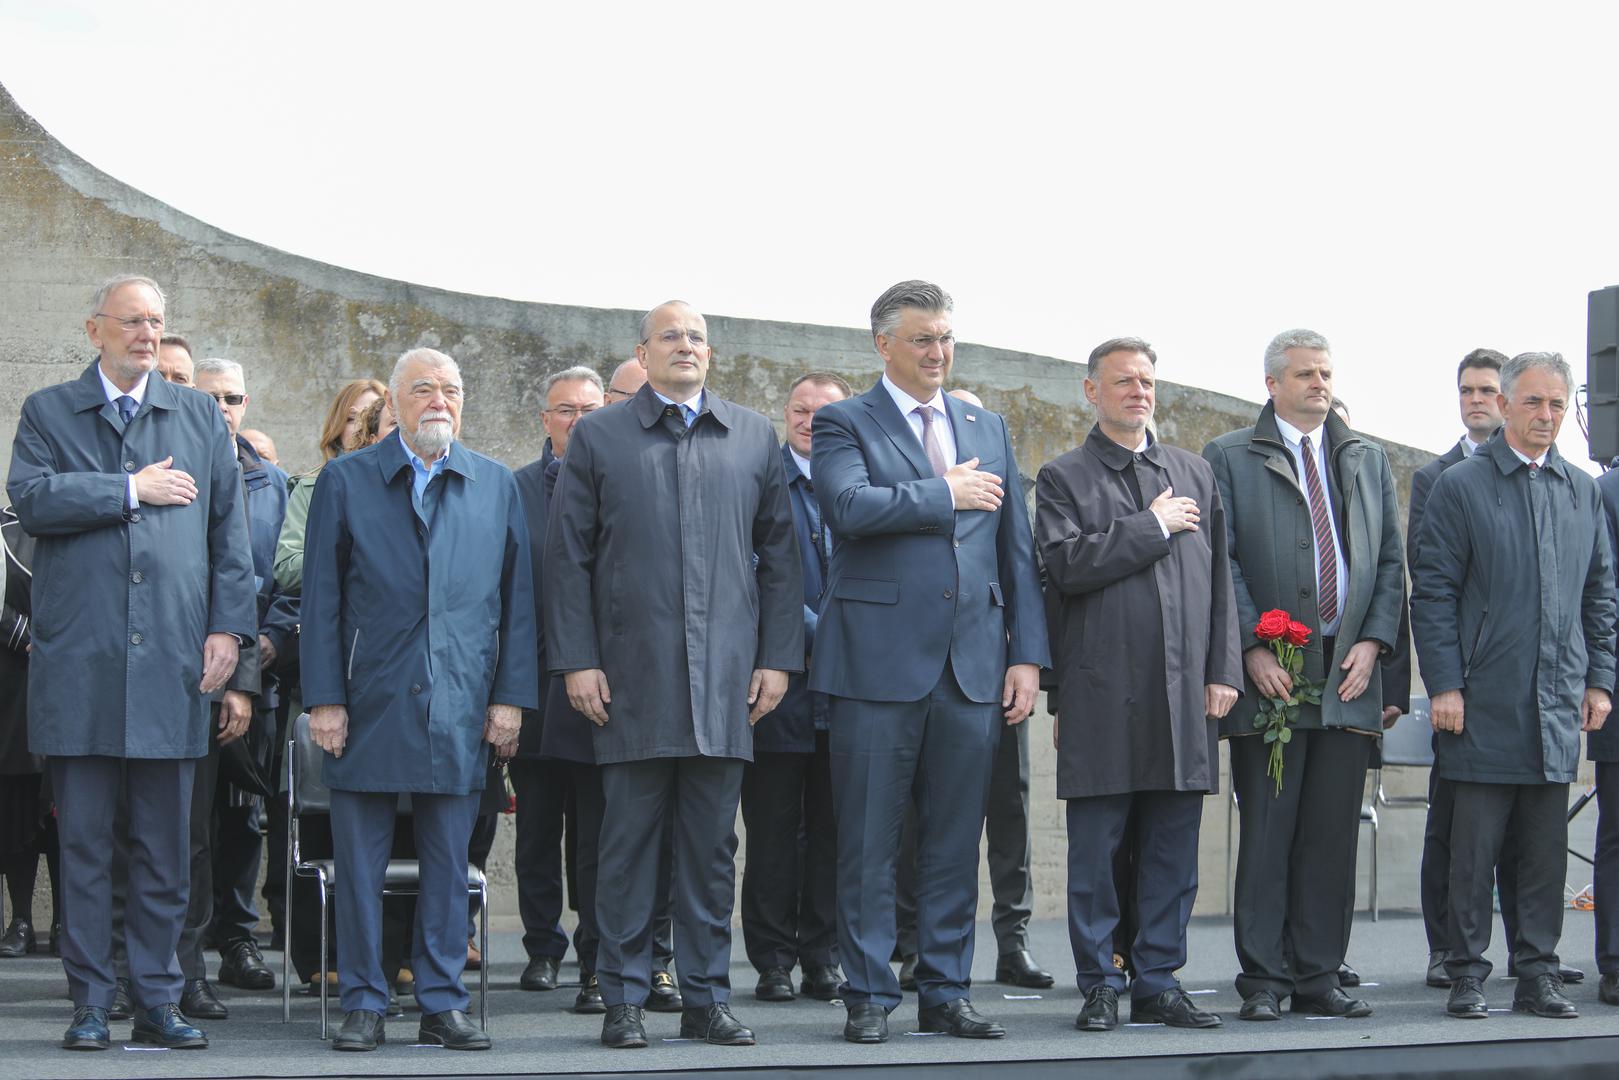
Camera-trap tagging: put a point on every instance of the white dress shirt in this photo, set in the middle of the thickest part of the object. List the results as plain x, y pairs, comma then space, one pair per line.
801, 461
1292, 437
138, 392
941, 419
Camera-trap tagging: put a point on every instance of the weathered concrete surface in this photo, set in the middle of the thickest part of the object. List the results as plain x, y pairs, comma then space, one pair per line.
302, 328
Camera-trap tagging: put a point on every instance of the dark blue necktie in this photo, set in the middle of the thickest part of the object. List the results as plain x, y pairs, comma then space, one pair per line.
126, 407
688, 414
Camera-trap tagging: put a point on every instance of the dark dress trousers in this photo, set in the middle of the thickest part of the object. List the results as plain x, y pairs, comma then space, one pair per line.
1296, 859
418, 616
1513, 604
1144, 622
651, 576
789, 885
925, 609
1602, 747
123, 600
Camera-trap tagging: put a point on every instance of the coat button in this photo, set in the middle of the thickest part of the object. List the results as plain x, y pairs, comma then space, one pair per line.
956, 542
134, 639
948, 594
129, 466
136, 577
1304, 590
415, 688
1304, 543
1299, 500
134, 515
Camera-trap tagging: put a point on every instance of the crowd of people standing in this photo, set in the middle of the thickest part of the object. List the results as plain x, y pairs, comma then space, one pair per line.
671, 617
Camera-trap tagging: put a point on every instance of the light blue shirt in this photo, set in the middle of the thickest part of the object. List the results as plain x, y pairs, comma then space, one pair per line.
1293, 438
421, 472
138, 392
688, 408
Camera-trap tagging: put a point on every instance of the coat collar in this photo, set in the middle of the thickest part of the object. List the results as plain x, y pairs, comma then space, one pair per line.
88, 393
649, 410
1508, 462
393, 458
1116, 457
1344, 448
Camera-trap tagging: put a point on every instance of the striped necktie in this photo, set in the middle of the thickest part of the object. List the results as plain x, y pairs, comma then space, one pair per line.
1321, 518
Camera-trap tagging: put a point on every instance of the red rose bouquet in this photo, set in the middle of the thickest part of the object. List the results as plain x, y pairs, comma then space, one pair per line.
1287, 638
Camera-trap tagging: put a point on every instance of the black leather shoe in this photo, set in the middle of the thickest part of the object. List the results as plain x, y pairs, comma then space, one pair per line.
622, 1027
1543, 996
452, 1030
664, 996
866, 1024
822, 983
1172, 1008
88, 1030
164, 1026
242, 965
907, 974
394, 1008
1608, 989
362, 1030
1260, 1005
714, 1024
1569, 975
1347, 976
199, 1001
19, 940
1467, 999
1333, 1003
775, 984
1019, 969
958, 1018
123, 1006
1438, 977
589, 999
1101, 1011
541, 974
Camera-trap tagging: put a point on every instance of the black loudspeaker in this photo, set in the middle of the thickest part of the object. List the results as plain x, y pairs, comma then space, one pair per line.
1602, 373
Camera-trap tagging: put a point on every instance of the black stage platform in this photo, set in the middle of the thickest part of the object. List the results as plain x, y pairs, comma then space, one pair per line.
1408, 1036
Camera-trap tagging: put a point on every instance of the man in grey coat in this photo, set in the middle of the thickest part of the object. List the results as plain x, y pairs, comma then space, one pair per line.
1148, 659
674, 611
1314, 530
1512, 608
143, 593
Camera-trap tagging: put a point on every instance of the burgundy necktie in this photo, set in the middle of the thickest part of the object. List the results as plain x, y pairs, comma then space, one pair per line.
930, 441
1321, 518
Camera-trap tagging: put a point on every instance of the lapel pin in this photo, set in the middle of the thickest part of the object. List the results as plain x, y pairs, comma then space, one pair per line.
970, 416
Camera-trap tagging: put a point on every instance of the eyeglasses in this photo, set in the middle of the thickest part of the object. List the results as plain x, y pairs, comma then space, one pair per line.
229, 399
611, 390
568, 412
133, 322
924, 342
672, 337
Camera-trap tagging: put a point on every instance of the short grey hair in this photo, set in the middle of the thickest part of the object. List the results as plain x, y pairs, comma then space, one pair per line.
432, 357
221, 365
118, 281
1276, 351
573, 374
922, 295
646, 320
1548, 361
1118, 344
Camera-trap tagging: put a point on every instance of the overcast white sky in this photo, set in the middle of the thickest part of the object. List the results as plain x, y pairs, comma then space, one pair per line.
1411, 179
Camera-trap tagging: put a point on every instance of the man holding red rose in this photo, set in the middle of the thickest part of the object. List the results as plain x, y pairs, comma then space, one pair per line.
1314, 530
1147, 656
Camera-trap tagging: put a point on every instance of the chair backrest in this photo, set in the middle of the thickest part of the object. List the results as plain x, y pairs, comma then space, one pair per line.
1410, 741
305, 758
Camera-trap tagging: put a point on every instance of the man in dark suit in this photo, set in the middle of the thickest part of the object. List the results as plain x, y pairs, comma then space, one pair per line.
1313, 530
789, 887
931, 632
144, 575
673, 610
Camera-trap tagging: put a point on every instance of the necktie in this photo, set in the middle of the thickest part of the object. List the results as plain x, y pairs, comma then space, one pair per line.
688, 414
1321, 519
930, 441
126, 407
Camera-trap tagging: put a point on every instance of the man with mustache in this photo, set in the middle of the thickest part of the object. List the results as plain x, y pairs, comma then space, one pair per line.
418, 648
143, 577
1312, 529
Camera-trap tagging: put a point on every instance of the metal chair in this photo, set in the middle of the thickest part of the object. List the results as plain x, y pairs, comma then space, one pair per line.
306, 794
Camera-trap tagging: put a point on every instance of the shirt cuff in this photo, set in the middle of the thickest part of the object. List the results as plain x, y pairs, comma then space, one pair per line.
134, 503
1161, 526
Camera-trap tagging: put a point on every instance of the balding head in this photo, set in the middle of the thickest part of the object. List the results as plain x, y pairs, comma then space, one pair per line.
627, 378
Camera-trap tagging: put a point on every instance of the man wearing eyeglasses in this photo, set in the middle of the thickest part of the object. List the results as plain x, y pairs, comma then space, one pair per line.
145, 577
627, 378
673, 612
931, 635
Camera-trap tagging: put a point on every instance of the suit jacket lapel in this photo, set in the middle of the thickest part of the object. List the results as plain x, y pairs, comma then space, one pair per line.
898, 429
965, 433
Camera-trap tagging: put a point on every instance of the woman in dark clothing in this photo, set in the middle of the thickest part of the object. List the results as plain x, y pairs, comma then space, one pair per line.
27, 827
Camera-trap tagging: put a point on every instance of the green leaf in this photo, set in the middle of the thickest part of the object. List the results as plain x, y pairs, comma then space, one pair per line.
1285, 735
